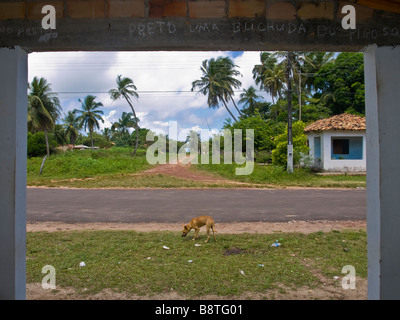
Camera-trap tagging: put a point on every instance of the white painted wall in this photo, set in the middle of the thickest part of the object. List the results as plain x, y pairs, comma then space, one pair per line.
329, 164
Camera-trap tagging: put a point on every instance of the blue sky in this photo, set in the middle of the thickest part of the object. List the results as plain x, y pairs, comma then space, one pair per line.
163, 81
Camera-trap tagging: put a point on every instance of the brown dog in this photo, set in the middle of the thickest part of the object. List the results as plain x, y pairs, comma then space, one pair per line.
197, 223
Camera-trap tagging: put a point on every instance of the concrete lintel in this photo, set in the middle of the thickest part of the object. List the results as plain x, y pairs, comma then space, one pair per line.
178, 33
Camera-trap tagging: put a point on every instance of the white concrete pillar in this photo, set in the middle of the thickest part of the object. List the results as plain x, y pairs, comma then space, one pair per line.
13, 137
382, 87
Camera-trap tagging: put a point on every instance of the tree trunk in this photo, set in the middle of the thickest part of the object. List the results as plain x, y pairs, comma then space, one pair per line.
136, 126
229, 110
240, 112
91, 137
41, 167
299, 90
47, 142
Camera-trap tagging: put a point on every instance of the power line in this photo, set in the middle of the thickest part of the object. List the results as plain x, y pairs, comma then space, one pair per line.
144, 91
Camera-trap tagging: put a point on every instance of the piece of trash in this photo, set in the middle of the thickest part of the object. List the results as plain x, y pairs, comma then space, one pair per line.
190, 261
276, 244
242, 272
197, 245
82, 264
292, 254
148, 258
165, 247
335, 277
260, 265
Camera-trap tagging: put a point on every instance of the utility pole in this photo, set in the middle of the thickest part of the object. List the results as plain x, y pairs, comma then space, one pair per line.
289, 98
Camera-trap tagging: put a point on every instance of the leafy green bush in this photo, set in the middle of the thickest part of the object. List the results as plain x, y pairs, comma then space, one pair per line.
279, 154
98, 140
264, 131
37, 144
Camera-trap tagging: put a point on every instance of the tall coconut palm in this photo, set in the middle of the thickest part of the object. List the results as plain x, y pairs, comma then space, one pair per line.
217, 81
71, 126
43, 108
89, 115
274, 81
227, 68
268, 62
270, 75
126, 89
250, 99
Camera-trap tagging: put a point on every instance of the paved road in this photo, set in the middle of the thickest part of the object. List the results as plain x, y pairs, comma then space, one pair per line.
178, 205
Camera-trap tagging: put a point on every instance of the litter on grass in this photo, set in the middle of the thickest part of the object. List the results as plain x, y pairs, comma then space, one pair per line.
276, 244
165, 247
82, 264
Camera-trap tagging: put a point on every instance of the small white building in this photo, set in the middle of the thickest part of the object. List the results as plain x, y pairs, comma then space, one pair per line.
338, 143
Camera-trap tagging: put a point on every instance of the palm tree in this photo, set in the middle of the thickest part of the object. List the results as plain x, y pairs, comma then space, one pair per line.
217, 82
270, 75
89, 115
124, 123
304, 67
250, 99
107, 133
314, 62
228, 71
127, 89
268, 62
71, 126
274, 81
43, 108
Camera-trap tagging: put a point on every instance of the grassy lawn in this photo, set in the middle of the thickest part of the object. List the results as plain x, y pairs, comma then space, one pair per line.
135, 262
115, 168
272, 175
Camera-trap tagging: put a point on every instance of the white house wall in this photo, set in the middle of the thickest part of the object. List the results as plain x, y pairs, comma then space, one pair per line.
329, 164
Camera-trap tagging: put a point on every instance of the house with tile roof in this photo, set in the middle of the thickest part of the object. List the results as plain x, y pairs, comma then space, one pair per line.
338, 143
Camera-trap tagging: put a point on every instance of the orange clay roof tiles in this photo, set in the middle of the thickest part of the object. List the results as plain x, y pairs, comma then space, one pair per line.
342, 121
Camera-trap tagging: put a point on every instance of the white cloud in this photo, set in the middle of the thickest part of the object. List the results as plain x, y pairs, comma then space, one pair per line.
109, 119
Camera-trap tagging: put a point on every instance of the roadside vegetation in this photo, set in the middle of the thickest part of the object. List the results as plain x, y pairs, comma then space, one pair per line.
136, 262
277, 176
116, 168
82, 164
